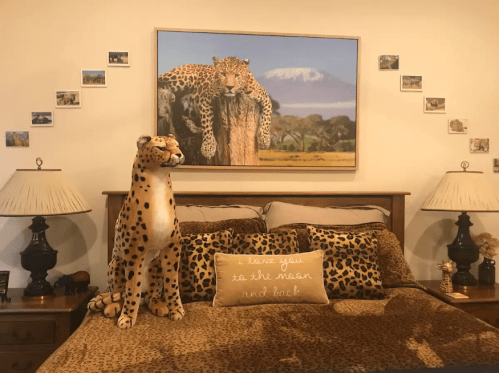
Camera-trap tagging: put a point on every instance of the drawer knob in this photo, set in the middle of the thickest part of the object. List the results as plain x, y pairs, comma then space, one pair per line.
17, 337
26, 367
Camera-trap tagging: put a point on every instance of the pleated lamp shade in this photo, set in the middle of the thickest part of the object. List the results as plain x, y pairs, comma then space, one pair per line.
40, 193
463, 191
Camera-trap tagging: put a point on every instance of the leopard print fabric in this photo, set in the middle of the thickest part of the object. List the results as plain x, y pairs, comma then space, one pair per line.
197, 279
350, 263
395, 270
282, 243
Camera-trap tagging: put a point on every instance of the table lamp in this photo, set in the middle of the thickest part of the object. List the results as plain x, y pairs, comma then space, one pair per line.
463, 191
39, 193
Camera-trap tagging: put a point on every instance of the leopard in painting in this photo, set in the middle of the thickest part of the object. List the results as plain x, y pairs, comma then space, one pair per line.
227, 77
147, 241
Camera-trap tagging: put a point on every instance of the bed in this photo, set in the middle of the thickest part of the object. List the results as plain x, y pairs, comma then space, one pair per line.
405, 329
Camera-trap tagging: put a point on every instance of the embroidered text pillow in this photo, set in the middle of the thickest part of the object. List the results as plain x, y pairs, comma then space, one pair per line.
257, 279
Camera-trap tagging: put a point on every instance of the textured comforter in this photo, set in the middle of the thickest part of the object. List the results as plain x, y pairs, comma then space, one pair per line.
407, 330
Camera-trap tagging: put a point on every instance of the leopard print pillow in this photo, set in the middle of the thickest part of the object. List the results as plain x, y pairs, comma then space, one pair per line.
197, 270
351, 267
279, 243
395, 270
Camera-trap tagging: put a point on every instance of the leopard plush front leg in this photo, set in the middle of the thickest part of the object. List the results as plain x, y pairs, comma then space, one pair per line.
209, 144
154, 298
134, 278
170, 259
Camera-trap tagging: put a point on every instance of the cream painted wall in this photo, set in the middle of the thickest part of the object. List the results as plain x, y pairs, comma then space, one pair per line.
44, 46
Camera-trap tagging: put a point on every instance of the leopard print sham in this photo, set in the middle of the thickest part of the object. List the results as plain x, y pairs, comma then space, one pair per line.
350, 263
197, 274
281, 243
395, 270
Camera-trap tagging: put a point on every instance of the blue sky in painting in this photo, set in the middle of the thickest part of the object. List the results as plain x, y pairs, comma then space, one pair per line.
335, 56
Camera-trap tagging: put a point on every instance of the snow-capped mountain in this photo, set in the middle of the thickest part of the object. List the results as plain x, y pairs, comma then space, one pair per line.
308, 89
297, 85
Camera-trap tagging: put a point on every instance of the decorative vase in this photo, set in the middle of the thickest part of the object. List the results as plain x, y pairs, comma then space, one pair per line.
487, 272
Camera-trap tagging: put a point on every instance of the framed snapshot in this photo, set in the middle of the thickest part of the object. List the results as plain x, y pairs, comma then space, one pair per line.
496, 164
67, 99
434, 105
18, 139
118, 58
458, 125
42, 119
479, 145
93, 78
247, 100
411, 83
388, 62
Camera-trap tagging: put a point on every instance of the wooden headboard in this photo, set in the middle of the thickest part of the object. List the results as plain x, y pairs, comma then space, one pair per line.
391, 201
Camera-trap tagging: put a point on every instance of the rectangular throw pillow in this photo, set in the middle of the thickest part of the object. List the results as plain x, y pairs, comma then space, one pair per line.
197, 269
395, 270
215, 213
351, 267
278, 243
257, 279
281, 213
249, 225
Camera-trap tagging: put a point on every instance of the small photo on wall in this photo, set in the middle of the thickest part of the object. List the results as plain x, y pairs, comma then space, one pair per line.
93, 78
496, 164
411, 83
434, 105
67, 99
17, 139
388, 62
458, 125
42, 119
479, 145
115, 58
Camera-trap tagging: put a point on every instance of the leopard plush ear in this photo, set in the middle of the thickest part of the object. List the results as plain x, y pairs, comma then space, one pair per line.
246, 61
142, 140
171, 135
215, 60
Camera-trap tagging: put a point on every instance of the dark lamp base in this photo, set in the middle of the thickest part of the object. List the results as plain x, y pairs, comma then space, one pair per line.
38, 258
463, 252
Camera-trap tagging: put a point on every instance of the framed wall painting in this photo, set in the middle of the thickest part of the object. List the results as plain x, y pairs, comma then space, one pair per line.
249, 101
411, 83
42, 119
434, 105
93, 78
118, 58
67, 99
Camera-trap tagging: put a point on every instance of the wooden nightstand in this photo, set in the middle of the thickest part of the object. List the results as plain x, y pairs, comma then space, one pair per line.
30, 329
483, 301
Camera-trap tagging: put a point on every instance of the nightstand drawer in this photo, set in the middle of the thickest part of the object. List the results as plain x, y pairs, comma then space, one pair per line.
22, 362
27, 332
489, 316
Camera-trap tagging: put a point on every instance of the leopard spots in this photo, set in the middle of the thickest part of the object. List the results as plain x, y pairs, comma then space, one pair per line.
227, 77
351, 267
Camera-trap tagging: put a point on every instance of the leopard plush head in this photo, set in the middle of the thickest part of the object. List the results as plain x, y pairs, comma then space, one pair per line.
231, 75
158, 151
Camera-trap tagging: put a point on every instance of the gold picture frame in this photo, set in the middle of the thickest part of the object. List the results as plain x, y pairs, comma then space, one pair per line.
311, 82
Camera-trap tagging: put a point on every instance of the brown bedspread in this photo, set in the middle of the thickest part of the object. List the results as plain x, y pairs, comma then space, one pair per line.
407, 330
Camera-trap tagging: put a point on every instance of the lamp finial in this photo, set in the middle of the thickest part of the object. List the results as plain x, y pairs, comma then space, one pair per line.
465, 165
39, 163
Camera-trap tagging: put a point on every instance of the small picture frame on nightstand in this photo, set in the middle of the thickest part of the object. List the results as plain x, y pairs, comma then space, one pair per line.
4, 285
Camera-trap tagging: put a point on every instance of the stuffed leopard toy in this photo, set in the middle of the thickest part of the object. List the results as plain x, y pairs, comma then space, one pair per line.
228, 77
147, 246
